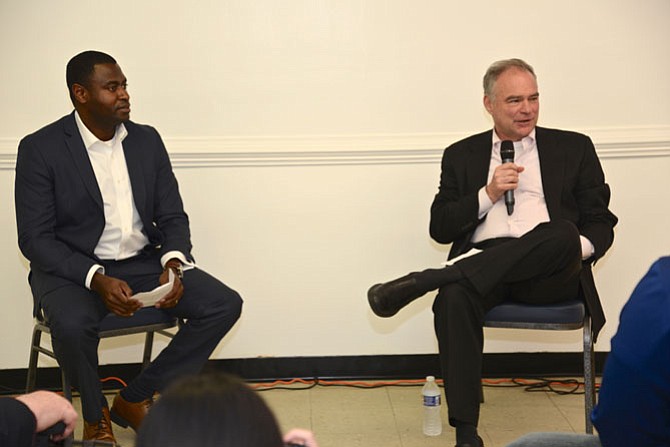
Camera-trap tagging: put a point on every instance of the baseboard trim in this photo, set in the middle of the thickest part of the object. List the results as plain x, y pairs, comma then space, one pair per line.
266, 369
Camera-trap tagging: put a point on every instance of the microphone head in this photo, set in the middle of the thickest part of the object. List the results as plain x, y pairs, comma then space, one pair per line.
507, 151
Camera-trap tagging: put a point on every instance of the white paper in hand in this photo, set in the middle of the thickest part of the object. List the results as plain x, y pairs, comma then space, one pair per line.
150, 298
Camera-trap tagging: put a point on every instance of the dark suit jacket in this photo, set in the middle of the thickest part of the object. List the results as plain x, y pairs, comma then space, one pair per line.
574, 188
59, 209
17, 423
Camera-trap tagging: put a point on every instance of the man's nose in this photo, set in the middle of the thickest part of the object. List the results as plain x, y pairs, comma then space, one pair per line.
525, 106
122, 92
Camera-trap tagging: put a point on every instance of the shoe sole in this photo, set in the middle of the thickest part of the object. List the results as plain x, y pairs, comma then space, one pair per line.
118, 420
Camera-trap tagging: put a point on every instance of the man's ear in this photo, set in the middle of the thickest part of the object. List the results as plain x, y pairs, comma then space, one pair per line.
487, 103
80, 93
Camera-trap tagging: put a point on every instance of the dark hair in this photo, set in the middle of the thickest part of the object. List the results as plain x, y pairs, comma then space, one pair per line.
80, 68
209, 410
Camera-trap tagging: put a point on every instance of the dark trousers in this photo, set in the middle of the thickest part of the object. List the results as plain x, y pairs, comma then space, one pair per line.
209, 307
540, 267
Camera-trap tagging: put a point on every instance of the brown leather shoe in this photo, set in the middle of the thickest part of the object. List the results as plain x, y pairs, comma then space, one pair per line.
126, 413
101, 430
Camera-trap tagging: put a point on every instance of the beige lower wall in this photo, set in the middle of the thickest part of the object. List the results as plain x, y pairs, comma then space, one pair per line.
306, 136
303, 241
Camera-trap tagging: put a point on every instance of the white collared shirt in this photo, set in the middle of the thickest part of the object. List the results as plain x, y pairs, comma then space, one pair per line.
122, 236
530, 207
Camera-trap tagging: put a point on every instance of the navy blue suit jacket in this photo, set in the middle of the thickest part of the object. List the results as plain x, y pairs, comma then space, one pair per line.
59, 209
17, 423
634, 399
574, 189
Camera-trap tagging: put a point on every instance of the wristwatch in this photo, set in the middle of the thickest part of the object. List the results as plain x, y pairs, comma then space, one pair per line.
177, 268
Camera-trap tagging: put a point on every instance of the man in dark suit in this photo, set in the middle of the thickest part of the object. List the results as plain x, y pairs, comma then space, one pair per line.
537, 250
100, 218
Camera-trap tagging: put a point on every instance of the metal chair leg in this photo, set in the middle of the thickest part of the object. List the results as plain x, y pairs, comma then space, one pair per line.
148, 345
32, 363
67, 388
36, 348
589, 375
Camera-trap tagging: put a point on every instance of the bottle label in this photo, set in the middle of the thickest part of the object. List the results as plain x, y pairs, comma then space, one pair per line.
431, 401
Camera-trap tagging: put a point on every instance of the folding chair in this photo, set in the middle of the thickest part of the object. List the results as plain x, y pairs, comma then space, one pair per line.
565, 316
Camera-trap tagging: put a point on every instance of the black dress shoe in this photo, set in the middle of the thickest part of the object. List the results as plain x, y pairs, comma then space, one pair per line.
480, 443
388, 298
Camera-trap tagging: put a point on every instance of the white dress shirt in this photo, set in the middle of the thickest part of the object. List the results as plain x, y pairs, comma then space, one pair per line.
530, 208
122, 236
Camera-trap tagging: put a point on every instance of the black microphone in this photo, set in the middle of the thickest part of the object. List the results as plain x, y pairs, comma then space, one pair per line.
507, 155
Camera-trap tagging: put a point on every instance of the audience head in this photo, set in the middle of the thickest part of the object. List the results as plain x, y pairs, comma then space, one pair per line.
210, 409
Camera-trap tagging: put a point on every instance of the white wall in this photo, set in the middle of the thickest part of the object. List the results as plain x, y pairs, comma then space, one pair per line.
306, 136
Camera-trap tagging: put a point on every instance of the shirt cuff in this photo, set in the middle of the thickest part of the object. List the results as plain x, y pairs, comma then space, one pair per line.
95, 268
175, 254
587, 248
485, 203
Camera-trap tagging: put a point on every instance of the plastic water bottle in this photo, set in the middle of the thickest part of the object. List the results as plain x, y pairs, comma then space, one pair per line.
432, 422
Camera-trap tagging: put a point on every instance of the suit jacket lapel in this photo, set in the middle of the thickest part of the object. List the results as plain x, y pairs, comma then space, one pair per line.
476, 175
477, 168
552, 167
132, 152
82, 163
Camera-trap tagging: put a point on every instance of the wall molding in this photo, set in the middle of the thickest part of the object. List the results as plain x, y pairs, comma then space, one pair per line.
375, 149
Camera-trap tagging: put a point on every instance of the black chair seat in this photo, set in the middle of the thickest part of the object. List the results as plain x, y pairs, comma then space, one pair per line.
568, 313
147, 316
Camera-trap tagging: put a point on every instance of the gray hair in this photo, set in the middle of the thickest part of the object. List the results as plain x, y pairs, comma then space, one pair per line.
497, 68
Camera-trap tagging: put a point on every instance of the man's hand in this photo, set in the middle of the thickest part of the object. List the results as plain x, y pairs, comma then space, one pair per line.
116, 294
49, 409
174, 295
505, 178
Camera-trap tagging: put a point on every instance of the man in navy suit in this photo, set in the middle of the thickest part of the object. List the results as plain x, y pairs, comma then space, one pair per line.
538, 250
100, 218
